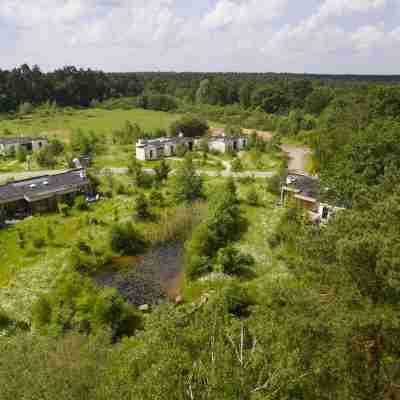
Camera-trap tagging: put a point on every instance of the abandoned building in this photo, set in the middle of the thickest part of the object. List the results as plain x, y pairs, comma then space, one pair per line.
11, 145
20, 199
153, 149
224, 143
304, 191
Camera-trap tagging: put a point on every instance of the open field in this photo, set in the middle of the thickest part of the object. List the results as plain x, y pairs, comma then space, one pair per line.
62, 123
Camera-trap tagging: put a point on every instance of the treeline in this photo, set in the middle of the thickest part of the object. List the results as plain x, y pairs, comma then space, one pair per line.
68, 86
267, 93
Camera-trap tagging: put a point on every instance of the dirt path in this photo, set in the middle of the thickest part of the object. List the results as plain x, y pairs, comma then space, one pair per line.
298, 157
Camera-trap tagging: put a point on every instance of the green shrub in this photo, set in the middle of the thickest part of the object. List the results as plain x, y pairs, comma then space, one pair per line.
189, 125
156, 198
198, 266
56, 147
274, 184
141, 207
237, 165
162, 170
236, 299
181, 150
80, 203
188, 186
45, 158
41, 312
64, 209
21, 154
230, 261
38, 243
252, 197
126, 240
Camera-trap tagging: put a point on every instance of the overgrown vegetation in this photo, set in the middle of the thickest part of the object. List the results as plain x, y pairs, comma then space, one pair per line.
272, 306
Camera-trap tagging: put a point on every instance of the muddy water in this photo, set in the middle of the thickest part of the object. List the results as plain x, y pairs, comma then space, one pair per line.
148, 279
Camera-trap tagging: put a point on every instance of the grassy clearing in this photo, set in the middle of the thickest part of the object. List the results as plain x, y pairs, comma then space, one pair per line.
63, 122
257, 161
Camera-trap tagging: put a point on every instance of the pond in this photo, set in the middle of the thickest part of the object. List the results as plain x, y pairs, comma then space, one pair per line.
148, 279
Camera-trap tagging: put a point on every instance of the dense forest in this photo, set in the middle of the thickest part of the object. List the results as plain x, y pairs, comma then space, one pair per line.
328, 328
273, 93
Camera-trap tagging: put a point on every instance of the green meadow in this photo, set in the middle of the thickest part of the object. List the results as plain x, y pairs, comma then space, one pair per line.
63, 122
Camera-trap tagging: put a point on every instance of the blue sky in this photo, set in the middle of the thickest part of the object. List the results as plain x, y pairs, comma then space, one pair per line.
316, 36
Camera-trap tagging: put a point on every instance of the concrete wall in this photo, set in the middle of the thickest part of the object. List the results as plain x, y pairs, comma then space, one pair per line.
218, 145
34, 144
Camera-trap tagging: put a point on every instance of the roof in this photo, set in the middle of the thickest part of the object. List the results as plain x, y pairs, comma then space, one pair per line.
20, 140
224, 138
304, 185
163, 141
43, 187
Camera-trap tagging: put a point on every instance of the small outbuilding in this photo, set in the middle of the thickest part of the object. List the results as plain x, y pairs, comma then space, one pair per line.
154, 149
225, 144
20, 199
304, 191
12, 144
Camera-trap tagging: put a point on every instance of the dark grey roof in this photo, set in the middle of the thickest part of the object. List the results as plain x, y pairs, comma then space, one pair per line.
163, 141
20, 140
307, 185
43, 187
224, 138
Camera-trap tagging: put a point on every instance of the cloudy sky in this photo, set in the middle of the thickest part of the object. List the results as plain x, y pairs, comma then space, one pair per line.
319, 36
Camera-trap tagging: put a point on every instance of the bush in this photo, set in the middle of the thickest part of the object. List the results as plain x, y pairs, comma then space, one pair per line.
190, 126
141, 208
162, 171
237, 165
198, 266
252, 197
236, 299
45, 158
136, 171
56, 147
181, 150
80, 203
75, 303
126, 240
158, 102
188, 186
86, 143
231, 262
156, 198
41, 312
38, 243
64, 209
274, 184
21, 154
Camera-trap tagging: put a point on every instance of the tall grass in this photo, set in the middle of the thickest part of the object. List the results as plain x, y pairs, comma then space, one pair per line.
176, 224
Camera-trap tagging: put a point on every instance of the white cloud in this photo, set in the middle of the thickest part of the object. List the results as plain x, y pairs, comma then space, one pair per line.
227, 12
345, 7
29, 13
368, 36
246, 35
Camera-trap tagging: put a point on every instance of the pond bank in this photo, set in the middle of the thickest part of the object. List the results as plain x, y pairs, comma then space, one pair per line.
149, 279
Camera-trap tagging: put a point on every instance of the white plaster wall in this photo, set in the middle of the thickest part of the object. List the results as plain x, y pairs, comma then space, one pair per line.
141, 153
218, 146
38, 144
